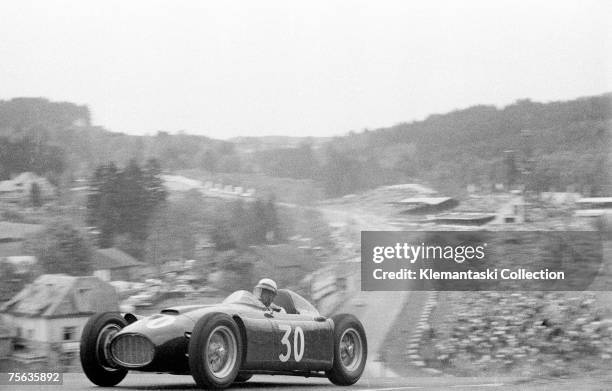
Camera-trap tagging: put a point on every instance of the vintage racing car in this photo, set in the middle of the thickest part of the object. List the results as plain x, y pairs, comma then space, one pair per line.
226, 343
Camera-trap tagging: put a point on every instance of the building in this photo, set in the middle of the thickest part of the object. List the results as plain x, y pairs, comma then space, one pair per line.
111, 264
6, 338
559, 198
17, 232
21, 264
594, 207
426, 205
512, 211
47, 316
12, 238
18, 189
463, 218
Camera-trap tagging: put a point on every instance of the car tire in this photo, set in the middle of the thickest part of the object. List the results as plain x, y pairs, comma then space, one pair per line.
350, 350
215, 351
243, 378
94, 353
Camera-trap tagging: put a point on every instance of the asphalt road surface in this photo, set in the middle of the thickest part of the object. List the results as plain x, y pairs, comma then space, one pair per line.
144, 381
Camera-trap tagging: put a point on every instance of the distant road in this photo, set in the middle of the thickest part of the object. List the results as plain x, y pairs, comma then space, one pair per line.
376, 310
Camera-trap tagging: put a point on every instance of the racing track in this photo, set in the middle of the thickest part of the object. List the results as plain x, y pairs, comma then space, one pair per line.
145, 381
378, 310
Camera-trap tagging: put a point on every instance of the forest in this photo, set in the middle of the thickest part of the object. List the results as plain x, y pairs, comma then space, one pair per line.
541, 146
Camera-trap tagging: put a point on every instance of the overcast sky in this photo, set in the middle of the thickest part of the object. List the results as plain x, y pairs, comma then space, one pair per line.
229, 68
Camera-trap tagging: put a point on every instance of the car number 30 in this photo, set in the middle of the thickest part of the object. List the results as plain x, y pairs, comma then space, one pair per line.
298, 343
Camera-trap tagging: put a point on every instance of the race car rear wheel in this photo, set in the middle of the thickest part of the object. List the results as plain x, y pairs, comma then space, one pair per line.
350, 350
215, 351
95, 352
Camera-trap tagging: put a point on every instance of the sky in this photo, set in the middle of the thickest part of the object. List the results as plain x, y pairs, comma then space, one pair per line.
298, 68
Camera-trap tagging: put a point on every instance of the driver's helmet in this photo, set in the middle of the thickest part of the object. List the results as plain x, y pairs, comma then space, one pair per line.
265, 290
267, 284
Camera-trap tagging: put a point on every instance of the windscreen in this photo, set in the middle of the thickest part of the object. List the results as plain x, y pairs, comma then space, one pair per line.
302, 305
243, 297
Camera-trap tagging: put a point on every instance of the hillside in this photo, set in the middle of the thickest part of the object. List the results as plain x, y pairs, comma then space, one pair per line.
544, 146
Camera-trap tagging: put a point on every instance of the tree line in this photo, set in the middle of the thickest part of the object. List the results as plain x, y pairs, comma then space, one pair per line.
555, 146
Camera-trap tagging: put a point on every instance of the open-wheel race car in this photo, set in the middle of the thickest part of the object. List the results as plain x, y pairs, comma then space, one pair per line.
226, 343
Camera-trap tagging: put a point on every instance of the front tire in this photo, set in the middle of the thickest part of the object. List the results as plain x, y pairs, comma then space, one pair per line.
215, 351
350, 350
94, 349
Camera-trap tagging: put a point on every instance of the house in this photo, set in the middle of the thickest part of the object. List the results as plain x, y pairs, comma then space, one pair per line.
47, 316
18, 189
111, 264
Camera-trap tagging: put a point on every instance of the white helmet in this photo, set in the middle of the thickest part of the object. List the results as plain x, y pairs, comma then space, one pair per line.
268, 284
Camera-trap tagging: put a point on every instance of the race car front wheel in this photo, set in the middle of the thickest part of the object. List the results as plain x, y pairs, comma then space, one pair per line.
215, 351
95, 352
350, 350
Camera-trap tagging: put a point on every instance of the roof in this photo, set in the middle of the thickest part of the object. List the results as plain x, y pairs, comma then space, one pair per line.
5, 330
595, 200
424, 200
474, 218
21, 263
17, 231
591, 212
11, 248
113, 258
58, 295
413, 187
181, 183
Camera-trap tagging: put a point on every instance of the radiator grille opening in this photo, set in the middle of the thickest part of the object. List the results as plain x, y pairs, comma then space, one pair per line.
132, 350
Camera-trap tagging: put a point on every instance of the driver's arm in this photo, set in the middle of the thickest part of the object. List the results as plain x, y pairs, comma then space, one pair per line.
277, 308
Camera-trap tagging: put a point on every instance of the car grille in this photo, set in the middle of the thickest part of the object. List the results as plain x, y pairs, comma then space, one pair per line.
132, 350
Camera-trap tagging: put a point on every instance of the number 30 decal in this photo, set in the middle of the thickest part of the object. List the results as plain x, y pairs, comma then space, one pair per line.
298, 343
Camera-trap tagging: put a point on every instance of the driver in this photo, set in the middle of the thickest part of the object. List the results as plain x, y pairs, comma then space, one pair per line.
265, 291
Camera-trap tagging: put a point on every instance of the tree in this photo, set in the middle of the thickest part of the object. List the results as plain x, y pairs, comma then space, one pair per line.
35, 196
222, 236
26, 153
103, 197
209, 161
121, 202
173, 230
341, 173
273, 233
154, 184
61, 248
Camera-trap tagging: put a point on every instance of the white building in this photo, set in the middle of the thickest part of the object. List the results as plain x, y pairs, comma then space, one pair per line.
18, 189
47, 317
